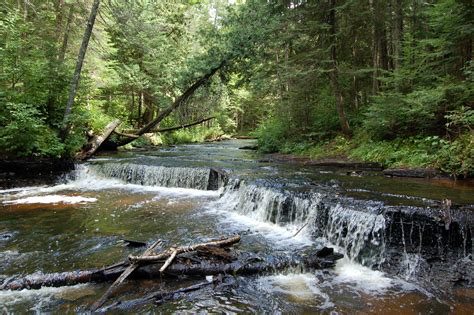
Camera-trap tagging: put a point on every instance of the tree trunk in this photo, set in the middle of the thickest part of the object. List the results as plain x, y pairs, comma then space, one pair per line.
62, 51
91, 147
56, 60
379, 43
397, 33
140, 105
184, 126
77, 71
335, 74
178, 102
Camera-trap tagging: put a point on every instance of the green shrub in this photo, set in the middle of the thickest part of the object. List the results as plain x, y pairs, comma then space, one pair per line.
24, 133
457, 157
410, 152
191, 135
271, 136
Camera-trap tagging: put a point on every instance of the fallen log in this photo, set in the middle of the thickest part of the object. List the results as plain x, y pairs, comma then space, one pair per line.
132, 243
249, 147
131, 268
411, 172
112, 272
128, 135
94, 144
243, 264
183, 126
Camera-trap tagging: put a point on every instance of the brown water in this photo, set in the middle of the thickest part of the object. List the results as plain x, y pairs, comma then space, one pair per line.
45, 230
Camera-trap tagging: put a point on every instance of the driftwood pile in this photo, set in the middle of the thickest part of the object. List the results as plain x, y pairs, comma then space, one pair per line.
214, 258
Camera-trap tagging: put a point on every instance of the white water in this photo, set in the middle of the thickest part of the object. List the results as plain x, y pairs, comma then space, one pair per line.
302, 287
38, 299
360, 277
86, 179
278, 215
360, 234
51, 199
274, 214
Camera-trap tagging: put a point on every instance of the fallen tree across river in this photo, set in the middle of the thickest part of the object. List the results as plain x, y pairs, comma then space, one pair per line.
211, 258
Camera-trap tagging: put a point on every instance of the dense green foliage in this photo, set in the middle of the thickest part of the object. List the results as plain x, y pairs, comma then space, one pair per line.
402, 69
389, 81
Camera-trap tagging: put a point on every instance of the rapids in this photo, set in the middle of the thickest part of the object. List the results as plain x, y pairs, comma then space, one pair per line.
399, 254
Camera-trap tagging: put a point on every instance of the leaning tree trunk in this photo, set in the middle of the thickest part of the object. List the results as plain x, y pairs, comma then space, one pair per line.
64, 44
166, 112
77, 71
91, 147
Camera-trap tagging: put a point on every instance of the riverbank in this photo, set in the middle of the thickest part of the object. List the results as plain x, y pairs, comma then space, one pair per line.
423, 158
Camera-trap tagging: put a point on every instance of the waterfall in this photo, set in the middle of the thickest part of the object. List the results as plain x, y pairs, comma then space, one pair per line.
360, 234
269, 205
182, 177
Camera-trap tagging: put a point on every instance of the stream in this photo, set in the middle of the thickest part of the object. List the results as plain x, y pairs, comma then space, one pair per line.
403, 252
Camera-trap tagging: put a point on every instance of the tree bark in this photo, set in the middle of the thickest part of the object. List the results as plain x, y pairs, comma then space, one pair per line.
219, 243
77, 71
140, 105
379, 43
335, 73
156, 297
129, 133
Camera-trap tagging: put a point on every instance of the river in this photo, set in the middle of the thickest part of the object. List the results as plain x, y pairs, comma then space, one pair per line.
400, 257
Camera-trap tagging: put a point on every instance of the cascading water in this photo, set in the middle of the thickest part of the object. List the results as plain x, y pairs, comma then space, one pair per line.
268, 205
370, 234
183, 177
361, 235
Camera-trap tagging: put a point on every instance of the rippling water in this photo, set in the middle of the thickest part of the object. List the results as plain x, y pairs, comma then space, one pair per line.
78, 223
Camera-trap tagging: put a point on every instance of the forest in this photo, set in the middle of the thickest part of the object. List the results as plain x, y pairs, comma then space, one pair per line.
389, 81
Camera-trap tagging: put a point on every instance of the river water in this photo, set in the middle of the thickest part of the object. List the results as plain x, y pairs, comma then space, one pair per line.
171, 194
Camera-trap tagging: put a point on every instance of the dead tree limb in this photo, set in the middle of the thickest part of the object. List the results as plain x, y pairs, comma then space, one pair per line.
156, 297
123, 276
184, 126
168, 261
129, 133
225, 242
